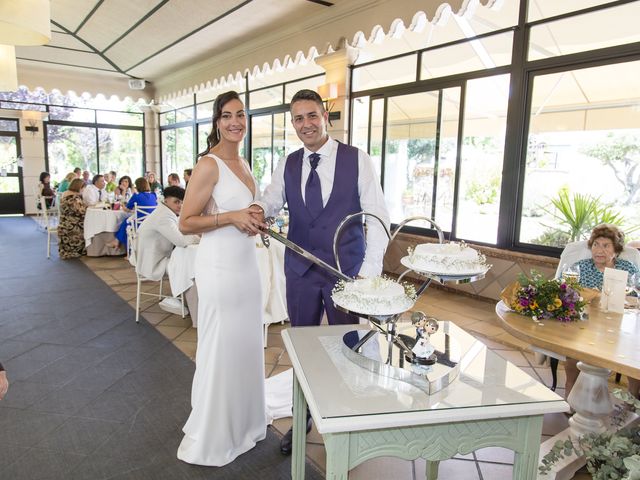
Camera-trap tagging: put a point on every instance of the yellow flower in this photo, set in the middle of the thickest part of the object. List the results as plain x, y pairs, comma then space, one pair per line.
551, 307
518, 307
557, 302
534, 305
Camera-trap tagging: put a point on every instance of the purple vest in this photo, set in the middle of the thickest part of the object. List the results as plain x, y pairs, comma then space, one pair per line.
316, 234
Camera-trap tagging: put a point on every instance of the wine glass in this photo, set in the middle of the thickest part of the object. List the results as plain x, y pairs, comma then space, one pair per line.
633, 282
280, 223
571, 272
607, 291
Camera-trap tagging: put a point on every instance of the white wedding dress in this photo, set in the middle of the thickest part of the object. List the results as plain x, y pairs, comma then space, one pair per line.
227, 398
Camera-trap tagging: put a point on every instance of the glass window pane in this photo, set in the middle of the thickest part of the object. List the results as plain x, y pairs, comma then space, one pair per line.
382, 74
482, 158
446, 158
167, 118
120, 118
261, 149
583, 147
205, 111
23, 106
604, 28
360, 123
550, 8
8, 154
410, 155
121, 151
184, 114
70, 147
9, 185
8, 125
480, 54
377, 120
266, 98
72, 114
310, 83
177, 150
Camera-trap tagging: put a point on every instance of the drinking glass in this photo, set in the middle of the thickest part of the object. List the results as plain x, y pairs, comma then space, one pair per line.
571, 272
280, 223
633, 282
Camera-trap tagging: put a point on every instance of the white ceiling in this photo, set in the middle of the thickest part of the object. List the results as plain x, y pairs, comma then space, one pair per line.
151, 38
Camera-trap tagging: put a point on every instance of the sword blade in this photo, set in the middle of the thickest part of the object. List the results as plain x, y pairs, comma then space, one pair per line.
309, 256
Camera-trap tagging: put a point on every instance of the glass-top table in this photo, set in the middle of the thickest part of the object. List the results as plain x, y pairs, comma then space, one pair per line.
362, 414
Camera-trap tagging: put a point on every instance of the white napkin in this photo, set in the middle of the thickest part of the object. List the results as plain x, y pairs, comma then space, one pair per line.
613, 290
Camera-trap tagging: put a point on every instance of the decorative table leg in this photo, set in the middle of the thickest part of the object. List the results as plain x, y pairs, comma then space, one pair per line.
432, 470
299, 431
337, 447
525, 466
590, 399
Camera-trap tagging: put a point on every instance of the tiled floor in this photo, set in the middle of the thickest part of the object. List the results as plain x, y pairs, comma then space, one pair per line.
476, 316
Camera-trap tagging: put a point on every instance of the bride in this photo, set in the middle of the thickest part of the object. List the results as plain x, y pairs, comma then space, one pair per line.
227, 397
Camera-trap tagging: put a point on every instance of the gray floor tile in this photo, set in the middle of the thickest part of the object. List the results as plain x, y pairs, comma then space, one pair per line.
78, 435
42, 465
23, 394
66, 401
113, 405
97, 378
26, 427
13, 348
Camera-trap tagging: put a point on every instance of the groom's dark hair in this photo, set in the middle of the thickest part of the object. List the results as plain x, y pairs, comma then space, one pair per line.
174, 191
308, 95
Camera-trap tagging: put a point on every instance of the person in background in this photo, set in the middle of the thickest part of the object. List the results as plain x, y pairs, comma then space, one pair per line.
187, 176
174, 180
45, 189
124, 190
4, 383
153, 183
157, 237
111, 184
144, 197
94, 193
606, 243
86, 176
78, 172
71, 227
64, 184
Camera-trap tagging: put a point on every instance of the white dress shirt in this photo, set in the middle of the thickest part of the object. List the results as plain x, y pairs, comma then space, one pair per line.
369, 189
157, 236
92, 195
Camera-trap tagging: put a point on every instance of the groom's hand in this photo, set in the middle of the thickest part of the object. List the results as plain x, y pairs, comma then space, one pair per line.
258, 214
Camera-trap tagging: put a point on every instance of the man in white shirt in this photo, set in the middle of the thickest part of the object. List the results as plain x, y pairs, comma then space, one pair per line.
157, 237
159, 234
322, 183
95, 192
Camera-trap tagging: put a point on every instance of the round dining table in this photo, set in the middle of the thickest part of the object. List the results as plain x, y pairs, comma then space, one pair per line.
603, 342
99, 226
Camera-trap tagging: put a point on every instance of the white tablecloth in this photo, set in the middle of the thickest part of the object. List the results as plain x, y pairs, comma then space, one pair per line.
97, 221
181, 271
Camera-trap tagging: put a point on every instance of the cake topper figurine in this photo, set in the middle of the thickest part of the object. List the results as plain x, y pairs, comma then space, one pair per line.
423, 349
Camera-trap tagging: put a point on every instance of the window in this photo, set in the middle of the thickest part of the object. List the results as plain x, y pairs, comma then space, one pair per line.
69, 147
120, 150
583, 152
177, 150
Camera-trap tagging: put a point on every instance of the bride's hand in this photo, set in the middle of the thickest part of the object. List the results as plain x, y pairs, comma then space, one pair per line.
246, 221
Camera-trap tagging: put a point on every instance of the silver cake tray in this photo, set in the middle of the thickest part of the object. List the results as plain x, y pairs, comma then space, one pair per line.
430, 379
444, 278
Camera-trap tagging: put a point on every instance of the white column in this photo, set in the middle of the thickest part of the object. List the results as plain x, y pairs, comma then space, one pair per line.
32, 149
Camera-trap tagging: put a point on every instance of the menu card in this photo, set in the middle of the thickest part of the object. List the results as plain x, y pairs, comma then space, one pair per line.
613, 290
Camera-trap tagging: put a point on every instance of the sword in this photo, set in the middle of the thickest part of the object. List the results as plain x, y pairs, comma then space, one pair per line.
301, 251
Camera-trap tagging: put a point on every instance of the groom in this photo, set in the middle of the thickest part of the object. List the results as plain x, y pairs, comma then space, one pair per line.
321, 184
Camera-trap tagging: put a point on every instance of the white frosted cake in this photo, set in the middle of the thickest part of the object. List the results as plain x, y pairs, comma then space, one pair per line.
447, 259
374, 296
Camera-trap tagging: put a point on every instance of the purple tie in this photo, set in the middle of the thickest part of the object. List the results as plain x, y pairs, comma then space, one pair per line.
313, 190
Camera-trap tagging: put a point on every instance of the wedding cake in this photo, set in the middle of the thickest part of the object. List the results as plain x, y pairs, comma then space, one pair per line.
447, 259
374, 296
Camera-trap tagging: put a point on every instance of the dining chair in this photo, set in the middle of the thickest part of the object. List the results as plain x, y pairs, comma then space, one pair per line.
50, 220
134, 246
140, 213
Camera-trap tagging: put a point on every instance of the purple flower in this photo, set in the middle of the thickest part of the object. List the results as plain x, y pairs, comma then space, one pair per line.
524, 302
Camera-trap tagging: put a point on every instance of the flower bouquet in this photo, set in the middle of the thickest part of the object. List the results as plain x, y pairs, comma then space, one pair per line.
539, 298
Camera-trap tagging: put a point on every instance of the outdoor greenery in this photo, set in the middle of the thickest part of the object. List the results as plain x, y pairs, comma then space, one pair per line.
609, 455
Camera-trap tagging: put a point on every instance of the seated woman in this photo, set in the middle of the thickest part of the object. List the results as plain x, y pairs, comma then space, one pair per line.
64, 184
606, 243
45, 189
154, 184
71, 226
123, 191
143, 198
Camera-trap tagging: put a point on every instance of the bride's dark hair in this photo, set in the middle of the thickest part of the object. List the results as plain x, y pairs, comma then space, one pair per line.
221, 100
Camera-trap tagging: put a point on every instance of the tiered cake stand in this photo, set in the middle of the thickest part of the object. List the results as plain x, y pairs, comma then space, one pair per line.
387, 348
